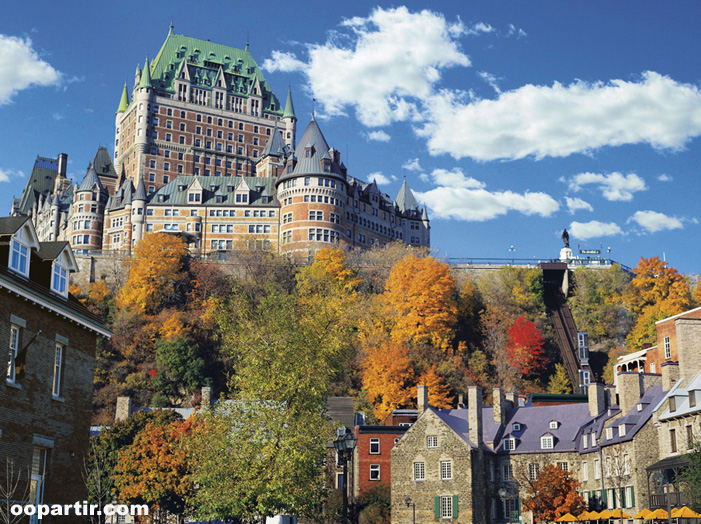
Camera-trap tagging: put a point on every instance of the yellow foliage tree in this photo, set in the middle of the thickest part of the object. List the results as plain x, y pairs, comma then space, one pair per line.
420, 302
388, 377
329, 269
154, 271
438, 392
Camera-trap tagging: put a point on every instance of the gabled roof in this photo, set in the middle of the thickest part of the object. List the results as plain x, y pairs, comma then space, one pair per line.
203, 60
90, 180
10, 225
457, 420
405, 199
55, 250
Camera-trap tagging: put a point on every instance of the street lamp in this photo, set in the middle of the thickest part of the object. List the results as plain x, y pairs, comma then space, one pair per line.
512, 250
413, 507
344, 444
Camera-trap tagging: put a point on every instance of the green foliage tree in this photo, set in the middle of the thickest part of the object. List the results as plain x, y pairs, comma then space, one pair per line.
690, 477
180, 368
375, 505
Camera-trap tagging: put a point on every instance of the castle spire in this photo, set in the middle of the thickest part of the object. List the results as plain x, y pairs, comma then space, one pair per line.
289, 107
124, 102
146, 76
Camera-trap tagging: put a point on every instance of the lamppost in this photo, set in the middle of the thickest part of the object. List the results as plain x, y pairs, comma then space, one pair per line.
512, 250
661, 480
413, 508
344, 444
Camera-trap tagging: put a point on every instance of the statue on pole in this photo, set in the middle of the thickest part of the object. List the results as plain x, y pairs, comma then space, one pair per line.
566, 238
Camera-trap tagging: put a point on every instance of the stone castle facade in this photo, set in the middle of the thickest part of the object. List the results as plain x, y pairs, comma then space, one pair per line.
204, 150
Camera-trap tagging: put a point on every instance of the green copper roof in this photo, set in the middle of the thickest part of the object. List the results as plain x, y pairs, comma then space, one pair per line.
124, 102
203, 60
146, 77
289, 108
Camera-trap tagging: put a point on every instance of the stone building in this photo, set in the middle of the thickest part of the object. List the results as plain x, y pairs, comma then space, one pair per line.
45, 397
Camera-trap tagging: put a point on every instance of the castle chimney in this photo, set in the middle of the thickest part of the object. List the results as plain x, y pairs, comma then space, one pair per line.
499, 406
62, 162
123, 409
461, 401
630, 390
670, 375
474, 407
422, 399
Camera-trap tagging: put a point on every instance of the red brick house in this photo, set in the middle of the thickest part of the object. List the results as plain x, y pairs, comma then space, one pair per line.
373, 455
46, 393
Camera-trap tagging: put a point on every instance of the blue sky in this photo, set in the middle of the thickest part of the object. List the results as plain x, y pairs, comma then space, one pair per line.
509, 120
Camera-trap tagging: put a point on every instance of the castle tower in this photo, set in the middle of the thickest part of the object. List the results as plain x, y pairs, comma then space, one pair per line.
290, 120
414, 229
88, 213
311, 192
138, 209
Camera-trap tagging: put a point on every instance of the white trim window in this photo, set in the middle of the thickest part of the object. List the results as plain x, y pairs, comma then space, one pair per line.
12, 357
597, 469
374, 472
432, 441
626, 464
667, 349
533, 471
59, 280
419, 471
609, 433
58, 371
585, 471
446, 470
507, 472
547, 442
509, 444
374, 446
19, 258
446, 507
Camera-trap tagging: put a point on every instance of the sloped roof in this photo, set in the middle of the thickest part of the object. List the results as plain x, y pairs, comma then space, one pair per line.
102, 162
289, 107
145, 81
124, 101
90, 180
173, 195
140, 193
40, 182
10, 225
276, 146
204, 58
405, 199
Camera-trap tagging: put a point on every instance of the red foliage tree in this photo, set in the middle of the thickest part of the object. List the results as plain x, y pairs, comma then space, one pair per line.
524, 348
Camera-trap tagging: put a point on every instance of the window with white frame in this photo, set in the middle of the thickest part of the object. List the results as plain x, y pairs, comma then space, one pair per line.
58, 370
374, 446
340, 481
507, 472
585, 470
609, 433
597, 469
447, 507
432, 441
554, 424
564, 466
59, 280
374, 472
19, 258
509, 444
14, 348
585, 439
446, 470
419, 471
621, 430
533, 471
608, 467
667, 348
546, 442
626, 464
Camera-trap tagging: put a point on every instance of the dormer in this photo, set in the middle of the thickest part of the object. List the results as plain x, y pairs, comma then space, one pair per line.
23, 240
509, 443
547, 441
554, 424
62, 263
194, 192
516, 427
242, 192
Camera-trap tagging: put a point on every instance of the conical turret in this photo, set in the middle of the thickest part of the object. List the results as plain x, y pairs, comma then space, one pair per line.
124, 102
146, 77
289, 106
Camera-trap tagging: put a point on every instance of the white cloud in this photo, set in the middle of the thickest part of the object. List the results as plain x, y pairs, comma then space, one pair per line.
455, 178
577, 204
613, 186
380, 178
379, 136
513, 30
7, 174
381, 65
478, 28
559, 120
490, 80
58, 116
664, 178
21, 67
478, 205
593, 229
652, 221
412, 165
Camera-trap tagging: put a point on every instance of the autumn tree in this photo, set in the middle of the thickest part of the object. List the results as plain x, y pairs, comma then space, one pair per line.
438, 391
553, 494
388, 377
154, 469
560, 382
155, 273
656, 292
420, 302
524, 347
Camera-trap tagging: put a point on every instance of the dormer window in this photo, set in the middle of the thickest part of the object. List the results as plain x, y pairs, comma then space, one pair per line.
622, 430
547, 442
509, 444
609, 433
59, 280
672, 404
585, 440
554, 424
692, 398
194, 197
19, 258
516, 426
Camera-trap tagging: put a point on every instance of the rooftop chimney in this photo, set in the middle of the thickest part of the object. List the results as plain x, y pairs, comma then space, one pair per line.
670, 375
123, 409
597, 399
630, 390
474, 407
62, 162
499, 407
422, 399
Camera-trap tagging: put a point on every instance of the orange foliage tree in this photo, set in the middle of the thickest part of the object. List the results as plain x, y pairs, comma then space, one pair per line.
657, 291
420, 301
154, 272
438, 391
388, 377
154, 469
553, 494
524, 348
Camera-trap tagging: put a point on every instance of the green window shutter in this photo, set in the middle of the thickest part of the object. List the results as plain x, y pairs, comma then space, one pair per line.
623, 497
519, 507
604, 497
632, 496
437, 507
455, 506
